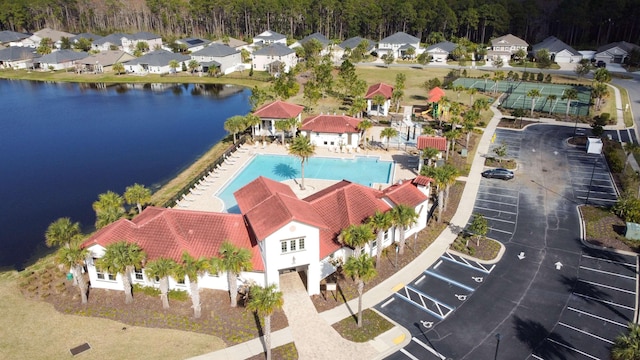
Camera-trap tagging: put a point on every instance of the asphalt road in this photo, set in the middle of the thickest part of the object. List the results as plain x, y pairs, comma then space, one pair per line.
549, 297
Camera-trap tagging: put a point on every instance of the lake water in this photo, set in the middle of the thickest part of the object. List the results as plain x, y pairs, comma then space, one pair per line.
63, 144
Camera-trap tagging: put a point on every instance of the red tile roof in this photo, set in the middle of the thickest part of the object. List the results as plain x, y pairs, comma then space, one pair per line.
381, 89
170, 232
422, 180
435, 94
257, 191
405, 193
426, 141
279, 110
336, 124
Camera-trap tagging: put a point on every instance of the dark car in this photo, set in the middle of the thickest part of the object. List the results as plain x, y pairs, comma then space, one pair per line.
601, 64
503, 174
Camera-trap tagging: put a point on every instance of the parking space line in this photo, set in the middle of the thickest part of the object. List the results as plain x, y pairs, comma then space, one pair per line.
591, 198
633, 265
604, 301
497, 202
536, 357
418, 306
419, 280
586, 333
501, 211
595, 192
408, 354
608, 273
501, 220
429, 348
452, 282
502, 231
572, 348
499, 188
447, 256
608, 287
596, 317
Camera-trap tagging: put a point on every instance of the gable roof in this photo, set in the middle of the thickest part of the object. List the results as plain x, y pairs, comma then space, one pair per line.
435, 94
379, 89
88, 36
54, 35
269, 35
353, 42
107, 58
61, 56
276, 49
336, 124
623, 45
508, 40
405, 193
279, 110
554, 45
321, 38
115, 38
422, 180
216, 50
400, 38
9, 36
15, 53
444, 47
193, 42
257, 191
233, 42
158, 58
142, 35
168, 233
426, 141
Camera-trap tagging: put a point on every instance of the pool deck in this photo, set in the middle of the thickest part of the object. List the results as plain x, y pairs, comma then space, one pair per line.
202, 196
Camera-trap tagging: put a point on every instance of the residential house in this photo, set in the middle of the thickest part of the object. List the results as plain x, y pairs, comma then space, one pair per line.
59, 60
273, 112
103, 61
17, 57
55, 36
89, 36
398, 44
326, 44
343, 50
339, 132
109, 42
221, 56
12, 38
269, 37
192, 44
156, 62
234, 43
384, 90
558, 50
616, 52
441, 51
283, 233
271, 58
505, 46
130, 41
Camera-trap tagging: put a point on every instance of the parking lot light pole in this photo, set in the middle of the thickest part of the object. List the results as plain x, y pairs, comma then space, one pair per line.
595, 162
498, 337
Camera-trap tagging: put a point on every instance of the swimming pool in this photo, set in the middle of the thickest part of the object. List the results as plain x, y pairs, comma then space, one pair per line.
361, 170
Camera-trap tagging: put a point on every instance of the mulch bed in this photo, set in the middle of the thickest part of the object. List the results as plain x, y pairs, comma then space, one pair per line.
605, 229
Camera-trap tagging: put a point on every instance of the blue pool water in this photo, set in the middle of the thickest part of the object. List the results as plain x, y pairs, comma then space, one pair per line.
361, 170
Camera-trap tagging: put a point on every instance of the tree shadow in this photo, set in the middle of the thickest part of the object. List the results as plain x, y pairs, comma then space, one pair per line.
534, 334
284, 170
418, 97
619, 229
591, 294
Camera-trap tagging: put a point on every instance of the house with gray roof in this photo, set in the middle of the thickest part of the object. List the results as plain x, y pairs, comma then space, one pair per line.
59, 60
398, 44
317, 36
89, 36
12, 38
342, 50
269, 37
234, 43
559, 51
130, 41
193, 44
17, 57
109, 42
267, 58
55, 36
440, 52
156, 62
505, 46
615, 52
103, 61
226, 58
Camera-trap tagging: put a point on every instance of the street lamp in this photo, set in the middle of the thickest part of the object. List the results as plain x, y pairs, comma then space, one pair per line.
595, 162
498, 337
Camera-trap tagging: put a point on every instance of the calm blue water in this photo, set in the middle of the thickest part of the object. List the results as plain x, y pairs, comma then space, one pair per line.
63, 144
361, 170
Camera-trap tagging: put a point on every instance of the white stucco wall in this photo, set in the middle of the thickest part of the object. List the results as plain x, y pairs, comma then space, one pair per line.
346, 140
260, 62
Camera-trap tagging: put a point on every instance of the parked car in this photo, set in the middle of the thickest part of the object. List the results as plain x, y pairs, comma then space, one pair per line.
601, 64
499, 173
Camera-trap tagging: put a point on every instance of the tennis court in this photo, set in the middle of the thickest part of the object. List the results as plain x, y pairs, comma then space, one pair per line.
550, 100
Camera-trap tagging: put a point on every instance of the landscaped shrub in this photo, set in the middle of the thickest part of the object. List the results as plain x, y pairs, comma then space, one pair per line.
147, 290
179, 295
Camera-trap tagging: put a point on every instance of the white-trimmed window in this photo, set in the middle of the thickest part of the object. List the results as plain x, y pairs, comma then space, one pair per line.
103, 275
292, 245
138, 275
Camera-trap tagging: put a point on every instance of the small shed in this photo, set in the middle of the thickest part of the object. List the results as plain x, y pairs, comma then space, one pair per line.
594, 145
633, 231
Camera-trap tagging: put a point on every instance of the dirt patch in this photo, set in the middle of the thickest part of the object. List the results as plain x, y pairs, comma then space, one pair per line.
606, 230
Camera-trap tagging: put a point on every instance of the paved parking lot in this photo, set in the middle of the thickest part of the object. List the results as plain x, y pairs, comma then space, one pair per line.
590, 178
601, 305
625, 135
497, 201
431, 298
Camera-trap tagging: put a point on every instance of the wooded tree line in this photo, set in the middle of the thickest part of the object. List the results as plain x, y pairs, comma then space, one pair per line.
577, 22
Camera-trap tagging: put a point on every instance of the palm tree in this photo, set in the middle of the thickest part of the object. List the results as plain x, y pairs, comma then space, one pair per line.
602, 75
380, 222
356, 236
252, 121
358, 105
468, 127
108, 208
302, 148
378, 100
118, 68
137, 194
193, 66
396, 97
234, 125
627, 346
234, 260
364, 126
485, 77
443, 177
161, 269
173, 64
569, 94
193, 268
403, 217
361, 269
429, 153
264, 301
497, 76
551, 99
472, 91
388, 133
599, 91
282, 126
534, 94
61, 232
451, 136
450, 175
74, 257
122, 258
